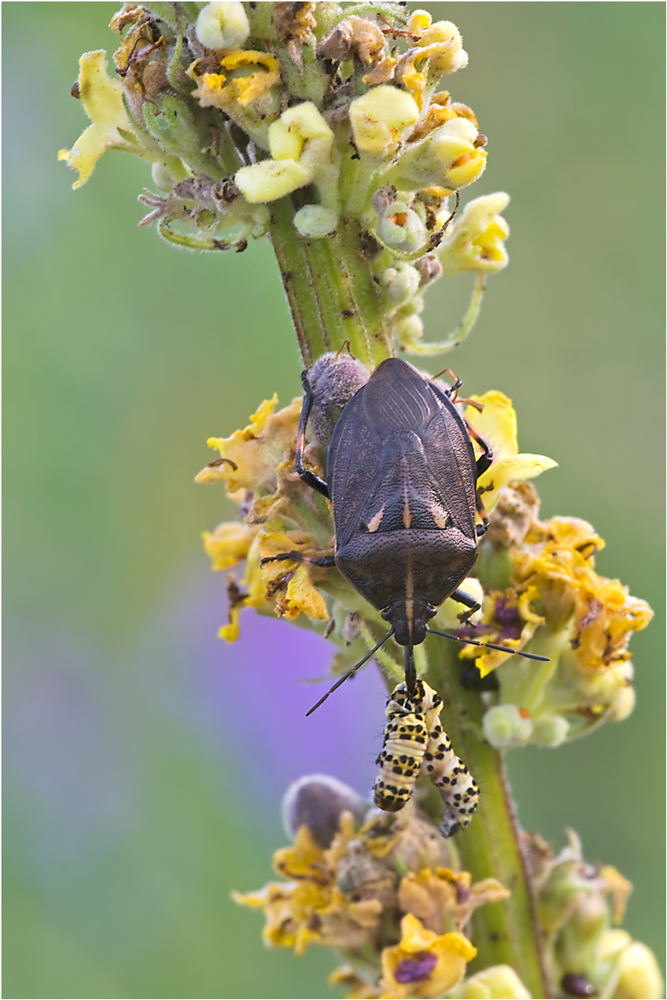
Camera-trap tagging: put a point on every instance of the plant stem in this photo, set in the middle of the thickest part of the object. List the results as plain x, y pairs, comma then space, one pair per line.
504, 933
331, 292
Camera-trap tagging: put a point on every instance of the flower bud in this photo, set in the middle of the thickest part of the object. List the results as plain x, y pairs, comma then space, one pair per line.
317, 801
271, 179
297, 125
401, 228
222, 25
447, 157
496, 981
623, 705
444, 47
640, 975
300, 143
333, 380
315, 221
550, 730
401, 281
475, 241
379, 118
447, 615
506, 726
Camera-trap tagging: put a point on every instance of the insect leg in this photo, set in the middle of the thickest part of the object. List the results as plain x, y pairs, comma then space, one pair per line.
453, 389
485, 459
461, 597
325, 561
307, 475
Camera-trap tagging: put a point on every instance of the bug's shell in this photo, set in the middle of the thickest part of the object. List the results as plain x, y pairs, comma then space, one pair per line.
401, 472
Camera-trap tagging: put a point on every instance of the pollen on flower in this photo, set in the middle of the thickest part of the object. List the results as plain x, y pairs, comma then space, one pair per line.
220, 89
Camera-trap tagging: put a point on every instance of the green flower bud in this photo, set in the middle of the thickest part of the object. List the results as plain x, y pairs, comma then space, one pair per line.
400, 228
550, 730
222, 25
506, 726
315, 221
401, 282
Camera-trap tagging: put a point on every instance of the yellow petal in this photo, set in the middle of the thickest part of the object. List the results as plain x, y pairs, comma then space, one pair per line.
302, 596
253, 454
229, 543
218, 90
102, 101
496, 423
523, 466
231, 632
271, 179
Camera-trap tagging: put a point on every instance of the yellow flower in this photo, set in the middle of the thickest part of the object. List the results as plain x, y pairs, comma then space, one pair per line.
380, 118
102, 101
299, 594
423, 964
447, 157
439, 50
300, 142
229, 543
251, 456
475, 241
446, 897
499, 609
497, 425
558, 559
311, 909
218, 90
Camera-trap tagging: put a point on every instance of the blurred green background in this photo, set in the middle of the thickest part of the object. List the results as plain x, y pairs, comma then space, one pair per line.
144, 760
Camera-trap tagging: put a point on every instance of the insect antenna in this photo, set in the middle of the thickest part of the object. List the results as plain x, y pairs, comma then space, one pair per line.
488, 645
351, 673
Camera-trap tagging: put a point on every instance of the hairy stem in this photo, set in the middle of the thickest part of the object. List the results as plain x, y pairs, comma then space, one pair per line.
330, 289
504, 933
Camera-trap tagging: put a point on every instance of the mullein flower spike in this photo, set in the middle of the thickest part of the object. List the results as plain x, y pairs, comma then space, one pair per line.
245, 106
325, 126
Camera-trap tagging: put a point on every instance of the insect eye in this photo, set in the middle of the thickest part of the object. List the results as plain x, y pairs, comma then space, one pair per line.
386, 614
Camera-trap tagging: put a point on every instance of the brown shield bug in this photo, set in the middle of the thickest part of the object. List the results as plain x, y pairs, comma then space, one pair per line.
402, 480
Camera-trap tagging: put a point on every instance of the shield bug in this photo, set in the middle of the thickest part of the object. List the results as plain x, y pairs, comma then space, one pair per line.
402, 480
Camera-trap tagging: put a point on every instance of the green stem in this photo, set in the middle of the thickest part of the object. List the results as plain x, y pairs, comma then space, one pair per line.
330, 289
504, 933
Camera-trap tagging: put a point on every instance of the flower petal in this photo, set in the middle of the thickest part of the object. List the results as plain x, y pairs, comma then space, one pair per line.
512, 467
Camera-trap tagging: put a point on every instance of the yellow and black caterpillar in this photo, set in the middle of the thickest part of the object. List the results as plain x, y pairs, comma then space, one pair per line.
415, 743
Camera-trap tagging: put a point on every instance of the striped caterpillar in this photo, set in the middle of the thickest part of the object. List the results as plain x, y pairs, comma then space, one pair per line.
415, 743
